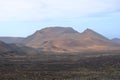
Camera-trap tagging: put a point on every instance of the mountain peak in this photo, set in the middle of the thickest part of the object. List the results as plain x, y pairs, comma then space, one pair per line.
89, 31
57, 27
56, 30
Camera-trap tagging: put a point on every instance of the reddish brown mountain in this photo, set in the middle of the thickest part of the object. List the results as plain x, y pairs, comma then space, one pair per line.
66, 39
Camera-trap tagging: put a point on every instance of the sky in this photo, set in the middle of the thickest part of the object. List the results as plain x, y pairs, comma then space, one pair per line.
21, 18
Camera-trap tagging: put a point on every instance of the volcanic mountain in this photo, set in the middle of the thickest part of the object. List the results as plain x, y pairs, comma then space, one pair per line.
66, 39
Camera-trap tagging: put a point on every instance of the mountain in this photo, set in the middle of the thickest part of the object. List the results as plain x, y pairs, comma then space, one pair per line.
10, 40
47, 34
116, 40
66, 39
16, 50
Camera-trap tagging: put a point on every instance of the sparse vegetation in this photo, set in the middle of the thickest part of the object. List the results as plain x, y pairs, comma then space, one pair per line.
61, 67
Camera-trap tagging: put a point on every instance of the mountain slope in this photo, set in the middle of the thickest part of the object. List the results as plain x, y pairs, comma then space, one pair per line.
6, 50
61, 39
10, 40
16, 50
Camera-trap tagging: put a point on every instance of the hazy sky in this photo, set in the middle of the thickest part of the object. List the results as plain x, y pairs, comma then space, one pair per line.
24, 17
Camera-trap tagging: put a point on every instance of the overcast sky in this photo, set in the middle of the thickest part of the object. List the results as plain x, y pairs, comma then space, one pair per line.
23, 17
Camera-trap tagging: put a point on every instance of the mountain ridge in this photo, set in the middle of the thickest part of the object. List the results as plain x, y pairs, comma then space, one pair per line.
62, 39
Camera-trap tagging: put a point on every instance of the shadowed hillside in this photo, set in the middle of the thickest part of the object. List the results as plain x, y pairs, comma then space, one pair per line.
10, 40
116, 40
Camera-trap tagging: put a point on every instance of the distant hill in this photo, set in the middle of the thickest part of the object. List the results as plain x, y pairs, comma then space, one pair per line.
10, 40
116, 40
7, 50
66, 39
4, 47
